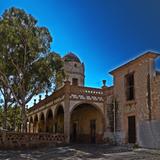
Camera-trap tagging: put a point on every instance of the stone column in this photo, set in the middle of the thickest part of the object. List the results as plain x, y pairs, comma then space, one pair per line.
66, 112
33, 127
45, 125
106, 123
29, 127
39, 129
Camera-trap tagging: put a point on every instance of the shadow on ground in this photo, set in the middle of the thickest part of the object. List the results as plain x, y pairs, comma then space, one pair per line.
77, 152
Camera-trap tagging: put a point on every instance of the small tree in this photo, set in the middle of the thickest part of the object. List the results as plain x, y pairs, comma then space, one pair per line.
25, 52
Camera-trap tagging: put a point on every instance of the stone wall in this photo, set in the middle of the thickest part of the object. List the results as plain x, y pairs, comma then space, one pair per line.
149, 133
156, 97
9, 140
138, 107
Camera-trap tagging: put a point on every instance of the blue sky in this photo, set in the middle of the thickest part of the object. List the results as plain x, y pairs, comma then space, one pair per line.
103, 33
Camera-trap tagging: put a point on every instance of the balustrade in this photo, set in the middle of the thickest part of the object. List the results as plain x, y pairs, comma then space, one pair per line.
13, 139
72, 90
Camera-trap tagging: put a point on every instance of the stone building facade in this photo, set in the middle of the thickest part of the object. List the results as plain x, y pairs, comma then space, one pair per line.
136, 88
127, 112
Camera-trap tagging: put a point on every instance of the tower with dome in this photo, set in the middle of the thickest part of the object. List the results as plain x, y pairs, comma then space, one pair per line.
119, 113
74, 69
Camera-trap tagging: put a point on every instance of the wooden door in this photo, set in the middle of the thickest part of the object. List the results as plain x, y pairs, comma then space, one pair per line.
93, 131
75, 131
131, 129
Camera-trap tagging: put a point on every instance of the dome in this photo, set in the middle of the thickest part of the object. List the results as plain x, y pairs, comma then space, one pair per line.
70, 57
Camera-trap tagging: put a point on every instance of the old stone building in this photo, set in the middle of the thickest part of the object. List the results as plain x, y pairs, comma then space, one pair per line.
136, 89
127, 112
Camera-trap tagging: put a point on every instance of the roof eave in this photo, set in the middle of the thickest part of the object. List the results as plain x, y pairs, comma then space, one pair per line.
149, 54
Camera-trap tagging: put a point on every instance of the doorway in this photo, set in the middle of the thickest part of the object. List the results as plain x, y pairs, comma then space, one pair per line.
86, 124
93, 131
75, 131
131, 129
74, 136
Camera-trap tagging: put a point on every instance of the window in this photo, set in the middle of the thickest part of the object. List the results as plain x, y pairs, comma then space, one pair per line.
75, 81
129, 81
75, 65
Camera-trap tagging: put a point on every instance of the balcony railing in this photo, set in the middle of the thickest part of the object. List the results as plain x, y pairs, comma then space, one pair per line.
86, 90
71, 89
48, 99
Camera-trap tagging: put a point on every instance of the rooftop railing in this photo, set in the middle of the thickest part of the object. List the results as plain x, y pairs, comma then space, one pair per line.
72, 89
86, 90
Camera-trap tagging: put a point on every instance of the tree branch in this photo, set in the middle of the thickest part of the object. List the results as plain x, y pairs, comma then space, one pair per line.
12, 90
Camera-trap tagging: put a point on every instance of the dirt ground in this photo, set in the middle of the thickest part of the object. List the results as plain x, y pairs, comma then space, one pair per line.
81, 152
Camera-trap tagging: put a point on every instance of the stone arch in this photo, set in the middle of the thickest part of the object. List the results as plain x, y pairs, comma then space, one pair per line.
41, 116
31, 119
49, 121
42, 122
89, 103
57, 107
87, 123
35, 124
58, 125
36, 117
31, 124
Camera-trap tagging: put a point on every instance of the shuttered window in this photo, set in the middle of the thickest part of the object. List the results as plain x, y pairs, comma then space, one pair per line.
129, 86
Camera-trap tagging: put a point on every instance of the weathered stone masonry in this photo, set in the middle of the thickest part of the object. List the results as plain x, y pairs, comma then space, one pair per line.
127, 112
